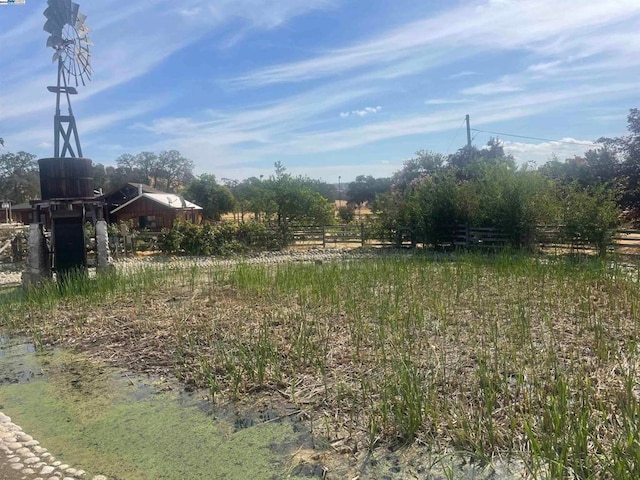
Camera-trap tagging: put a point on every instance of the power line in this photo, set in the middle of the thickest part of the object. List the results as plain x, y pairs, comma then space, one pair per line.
592, 144
454, 137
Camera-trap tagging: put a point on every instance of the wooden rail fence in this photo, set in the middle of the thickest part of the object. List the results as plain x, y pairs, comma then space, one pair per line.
548, 238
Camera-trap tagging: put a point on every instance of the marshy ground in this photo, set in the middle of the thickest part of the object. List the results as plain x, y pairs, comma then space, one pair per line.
488, 359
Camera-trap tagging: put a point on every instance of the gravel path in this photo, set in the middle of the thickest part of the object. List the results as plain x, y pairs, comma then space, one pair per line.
285, 256
11, 274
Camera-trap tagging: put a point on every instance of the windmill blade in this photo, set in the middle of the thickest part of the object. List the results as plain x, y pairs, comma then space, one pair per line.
87, 42
73, 14
55, 13
71, 44
64, 9
52, 25
80, 21
54, 41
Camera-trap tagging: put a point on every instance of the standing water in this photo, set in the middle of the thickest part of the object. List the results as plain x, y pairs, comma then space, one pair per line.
108, 422
128, 427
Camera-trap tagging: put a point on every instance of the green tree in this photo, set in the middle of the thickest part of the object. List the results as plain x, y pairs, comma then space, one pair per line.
365, 188
168, 170
346, 213
625, 151
173, 169
423, 164
292, 200
596, 168
252, 196
327, 190
214, 199
430, 197
118, 176
434, 207
469, 162
19, 178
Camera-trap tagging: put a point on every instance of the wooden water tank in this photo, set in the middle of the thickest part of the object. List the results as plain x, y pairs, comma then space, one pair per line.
66, 178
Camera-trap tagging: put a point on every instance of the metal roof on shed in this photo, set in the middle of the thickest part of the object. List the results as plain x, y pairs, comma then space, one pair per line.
169, 200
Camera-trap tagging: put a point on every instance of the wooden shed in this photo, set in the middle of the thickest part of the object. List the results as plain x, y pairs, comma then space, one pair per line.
154, 211
22, 213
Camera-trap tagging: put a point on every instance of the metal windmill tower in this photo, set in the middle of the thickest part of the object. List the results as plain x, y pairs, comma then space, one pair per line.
70, 42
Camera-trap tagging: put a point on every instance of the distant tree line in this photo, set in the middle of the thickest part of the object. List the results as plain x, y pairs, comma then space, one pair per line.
432, 192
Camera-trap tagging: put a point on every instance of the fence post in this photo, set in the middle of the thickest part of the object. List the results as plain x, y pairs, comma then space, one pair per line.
362, 234
324, 237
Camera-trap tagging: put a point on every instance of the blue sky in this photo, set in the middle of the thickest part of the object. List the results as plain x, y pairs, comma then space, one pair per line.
328, 87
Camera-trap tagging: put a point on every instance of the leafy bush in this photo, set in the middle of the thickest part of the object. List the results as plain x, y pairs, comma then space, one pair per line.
435, 206
171, 240
346, 213
224, 238
591, 216
514, 202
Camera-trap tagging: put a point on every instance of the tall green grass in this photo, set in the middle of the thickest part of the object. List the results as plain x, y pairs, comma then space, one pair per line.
534, 357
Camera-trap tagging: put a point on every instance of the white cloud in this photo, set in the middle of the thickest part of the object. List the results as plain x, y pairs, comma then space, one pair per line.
361, 113
538, 154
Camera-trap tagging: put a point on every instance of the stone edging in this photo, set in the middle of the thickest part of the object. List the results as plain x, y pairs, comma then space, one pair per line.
31, 461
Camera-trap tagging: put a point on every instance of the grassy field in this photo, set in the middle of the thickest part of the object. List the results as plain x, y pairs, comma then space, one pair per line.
534, 358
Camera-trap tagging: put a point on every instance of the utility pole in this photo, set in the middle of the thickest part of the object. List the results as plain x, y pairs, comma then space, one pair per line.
468, 132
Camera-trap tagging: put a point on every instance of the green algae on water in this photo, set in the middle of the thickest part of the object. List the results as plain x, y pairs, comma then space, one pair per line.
99, 421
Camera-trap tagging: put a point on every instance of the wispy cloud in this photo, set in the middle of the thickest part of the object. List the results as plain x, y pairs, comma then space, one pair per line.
483, 27
127, 52
502, 85
445, 101
250, 93
218, 140
263, 124
263, 14
466, 73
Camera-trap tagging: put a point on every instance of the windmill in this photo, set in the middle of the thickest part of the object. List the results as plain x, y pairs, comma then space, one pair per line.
57, 241
70, 41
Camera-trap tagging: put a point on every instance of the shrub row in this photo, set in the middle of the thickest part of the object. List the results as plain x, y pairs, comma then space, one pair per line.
511, 201
223, 238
